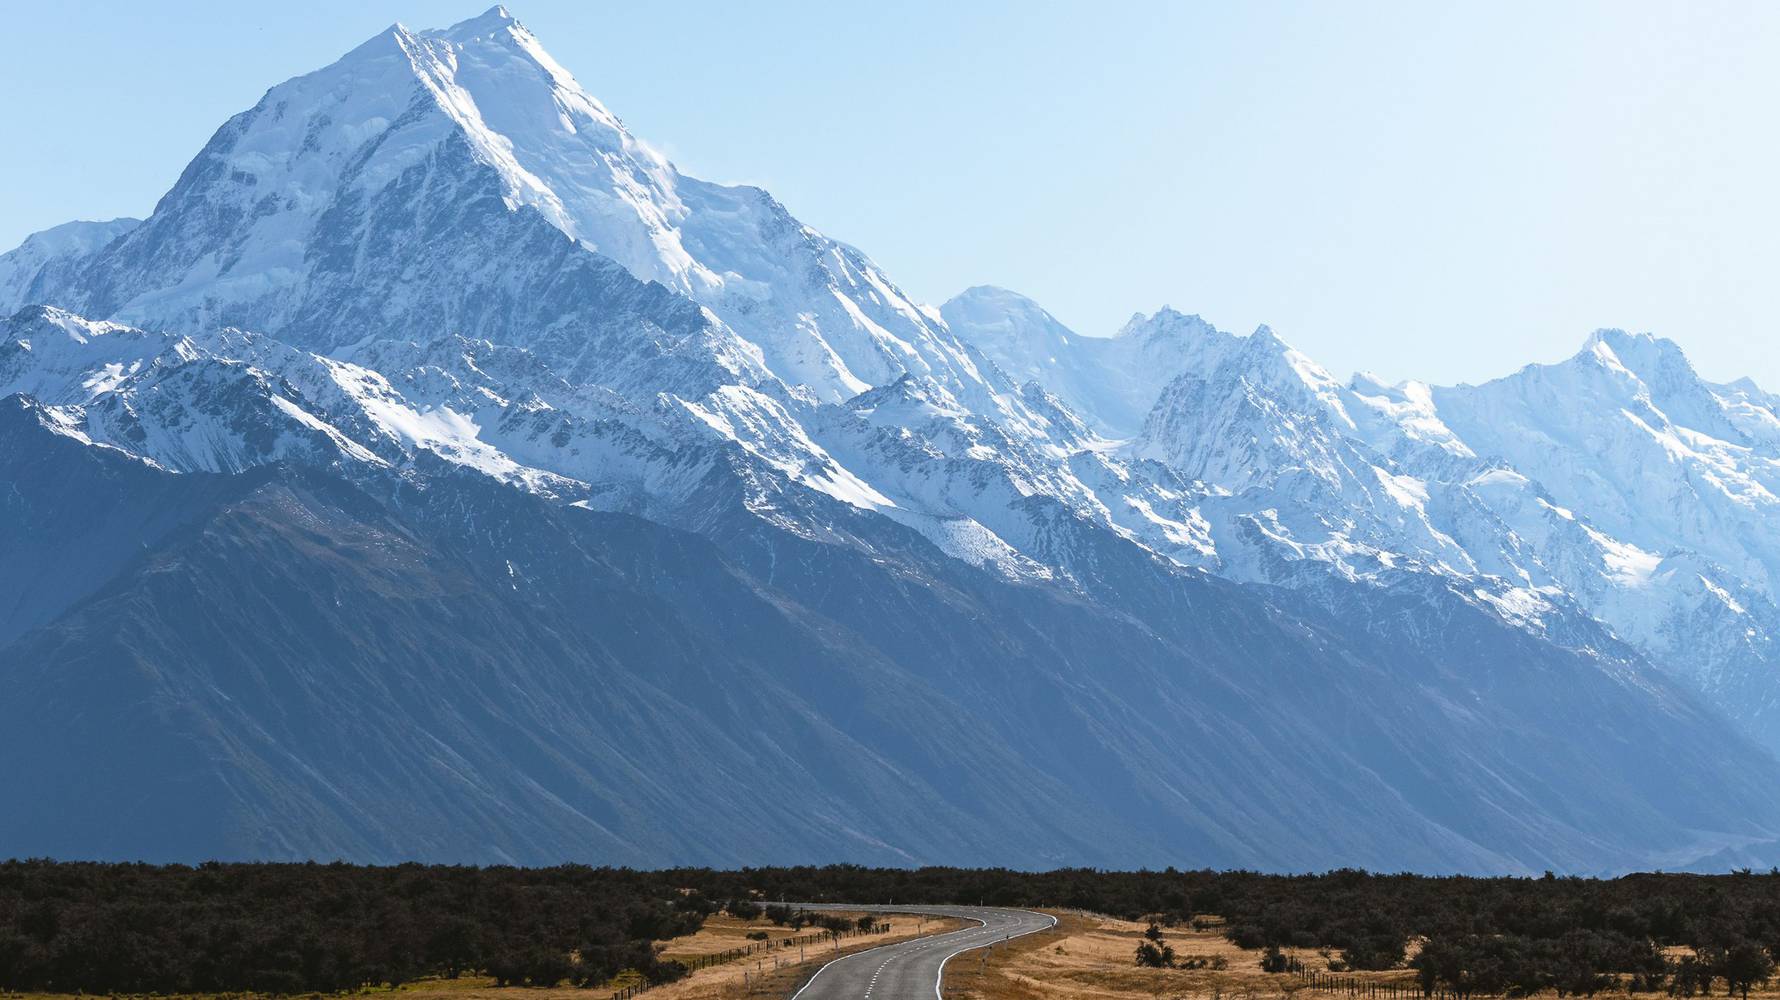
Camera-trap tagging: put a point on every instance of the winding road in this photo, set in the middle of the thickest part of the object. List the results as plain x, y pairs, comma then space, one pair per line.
911, 970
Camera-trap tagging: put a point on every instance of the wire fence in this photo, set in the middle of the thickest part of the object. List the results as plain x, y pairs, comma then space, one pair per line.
696, 962
1354, 986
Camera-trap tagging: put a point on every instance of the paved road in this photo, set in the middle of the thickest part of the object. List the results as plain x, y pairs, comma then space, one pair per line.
911, 970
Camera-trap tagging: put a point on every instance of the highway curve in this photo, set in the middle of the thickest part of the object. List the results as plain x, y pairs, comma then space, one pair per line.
911, 970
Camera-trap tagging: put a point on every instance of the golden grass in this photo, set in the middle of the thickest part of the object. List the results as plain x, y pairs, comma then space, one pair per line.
1092, 958
1089, 957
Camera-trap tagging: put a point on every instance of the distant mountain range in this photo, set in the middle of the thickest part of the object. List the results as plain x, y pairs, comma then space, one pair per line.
1618, 483
438, 473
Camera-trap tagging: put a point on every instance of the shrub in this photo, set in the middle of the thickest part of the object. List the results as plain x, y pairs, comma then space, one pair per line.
1374, 952
1154, 956
1743, 965
546, 968
1276, 961
1247, 936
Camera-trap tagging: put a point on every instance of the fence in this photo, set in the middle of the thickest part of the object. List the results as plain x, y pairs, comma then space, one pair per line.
697, 962
1354, 986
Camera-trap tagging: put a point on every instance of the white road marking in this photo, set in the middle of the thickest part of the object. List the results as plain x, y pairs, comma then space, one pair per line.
940, 977
980, 936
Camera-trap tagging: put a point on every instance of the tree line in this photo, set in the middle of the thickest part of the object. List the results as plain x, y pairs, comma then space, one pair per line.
286, 928
1475, 936
301, 928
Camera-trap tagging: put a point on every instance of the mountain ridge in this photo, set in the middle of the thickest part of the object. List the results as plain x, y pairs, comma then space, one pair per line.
1472, 478
580, 446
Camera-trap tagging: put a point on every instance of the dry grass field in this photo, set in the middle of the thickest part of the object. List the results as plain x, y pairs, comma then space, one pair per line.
1089, 957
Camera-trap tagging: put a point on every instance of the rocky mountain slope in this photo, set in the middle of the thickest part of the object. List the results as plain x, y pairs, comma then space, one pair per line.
437, 472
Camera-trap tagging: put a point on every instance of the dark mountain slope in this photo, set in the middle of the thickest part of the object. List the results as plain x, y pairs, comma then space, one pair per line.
440, 667
72, 515
1262, 725
272, 683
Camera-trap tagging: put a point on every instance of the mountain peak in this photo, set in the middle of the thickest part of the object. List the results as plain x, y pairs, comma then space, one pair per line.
993, 293
39, 319
989, 310
31, 271
1166, 321
426, 126
1635, 345
81, 235
1655, 362
492, 21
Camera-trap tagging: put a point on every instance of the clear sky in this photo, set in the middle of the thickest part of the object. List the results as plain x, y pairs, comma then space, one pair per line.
1413, 189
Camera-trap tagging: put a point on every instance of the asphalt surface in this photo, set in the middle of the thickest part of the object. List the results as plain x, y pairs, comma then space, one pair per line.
911, 970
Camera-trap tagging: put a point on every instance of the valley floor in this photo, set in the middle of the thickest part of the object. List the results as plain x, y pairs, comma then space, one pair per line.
1086, 957
1091, 957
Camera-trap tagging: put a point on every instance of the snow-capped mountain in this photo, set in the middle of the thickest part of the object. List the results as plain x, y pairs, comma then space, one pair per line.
1618, 481
1112, 382
38, 269
431, 318
486, 142
460, 182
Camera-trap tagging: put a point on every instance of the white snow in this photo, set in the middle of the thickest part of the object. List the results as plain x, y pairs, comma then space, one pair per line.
1617, 482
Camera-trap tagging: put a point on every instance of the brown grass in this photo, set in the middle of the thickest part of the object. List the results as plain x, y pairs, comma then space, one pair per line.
1088, 957
1092, 958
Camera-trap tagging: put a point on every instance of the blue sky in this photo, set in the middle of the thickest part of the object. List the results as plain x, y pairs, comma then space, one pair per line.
1413, 189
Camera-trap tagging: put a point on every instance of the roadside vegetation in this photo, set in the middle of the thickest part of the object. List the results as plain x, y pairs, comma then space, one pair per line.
310, 928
